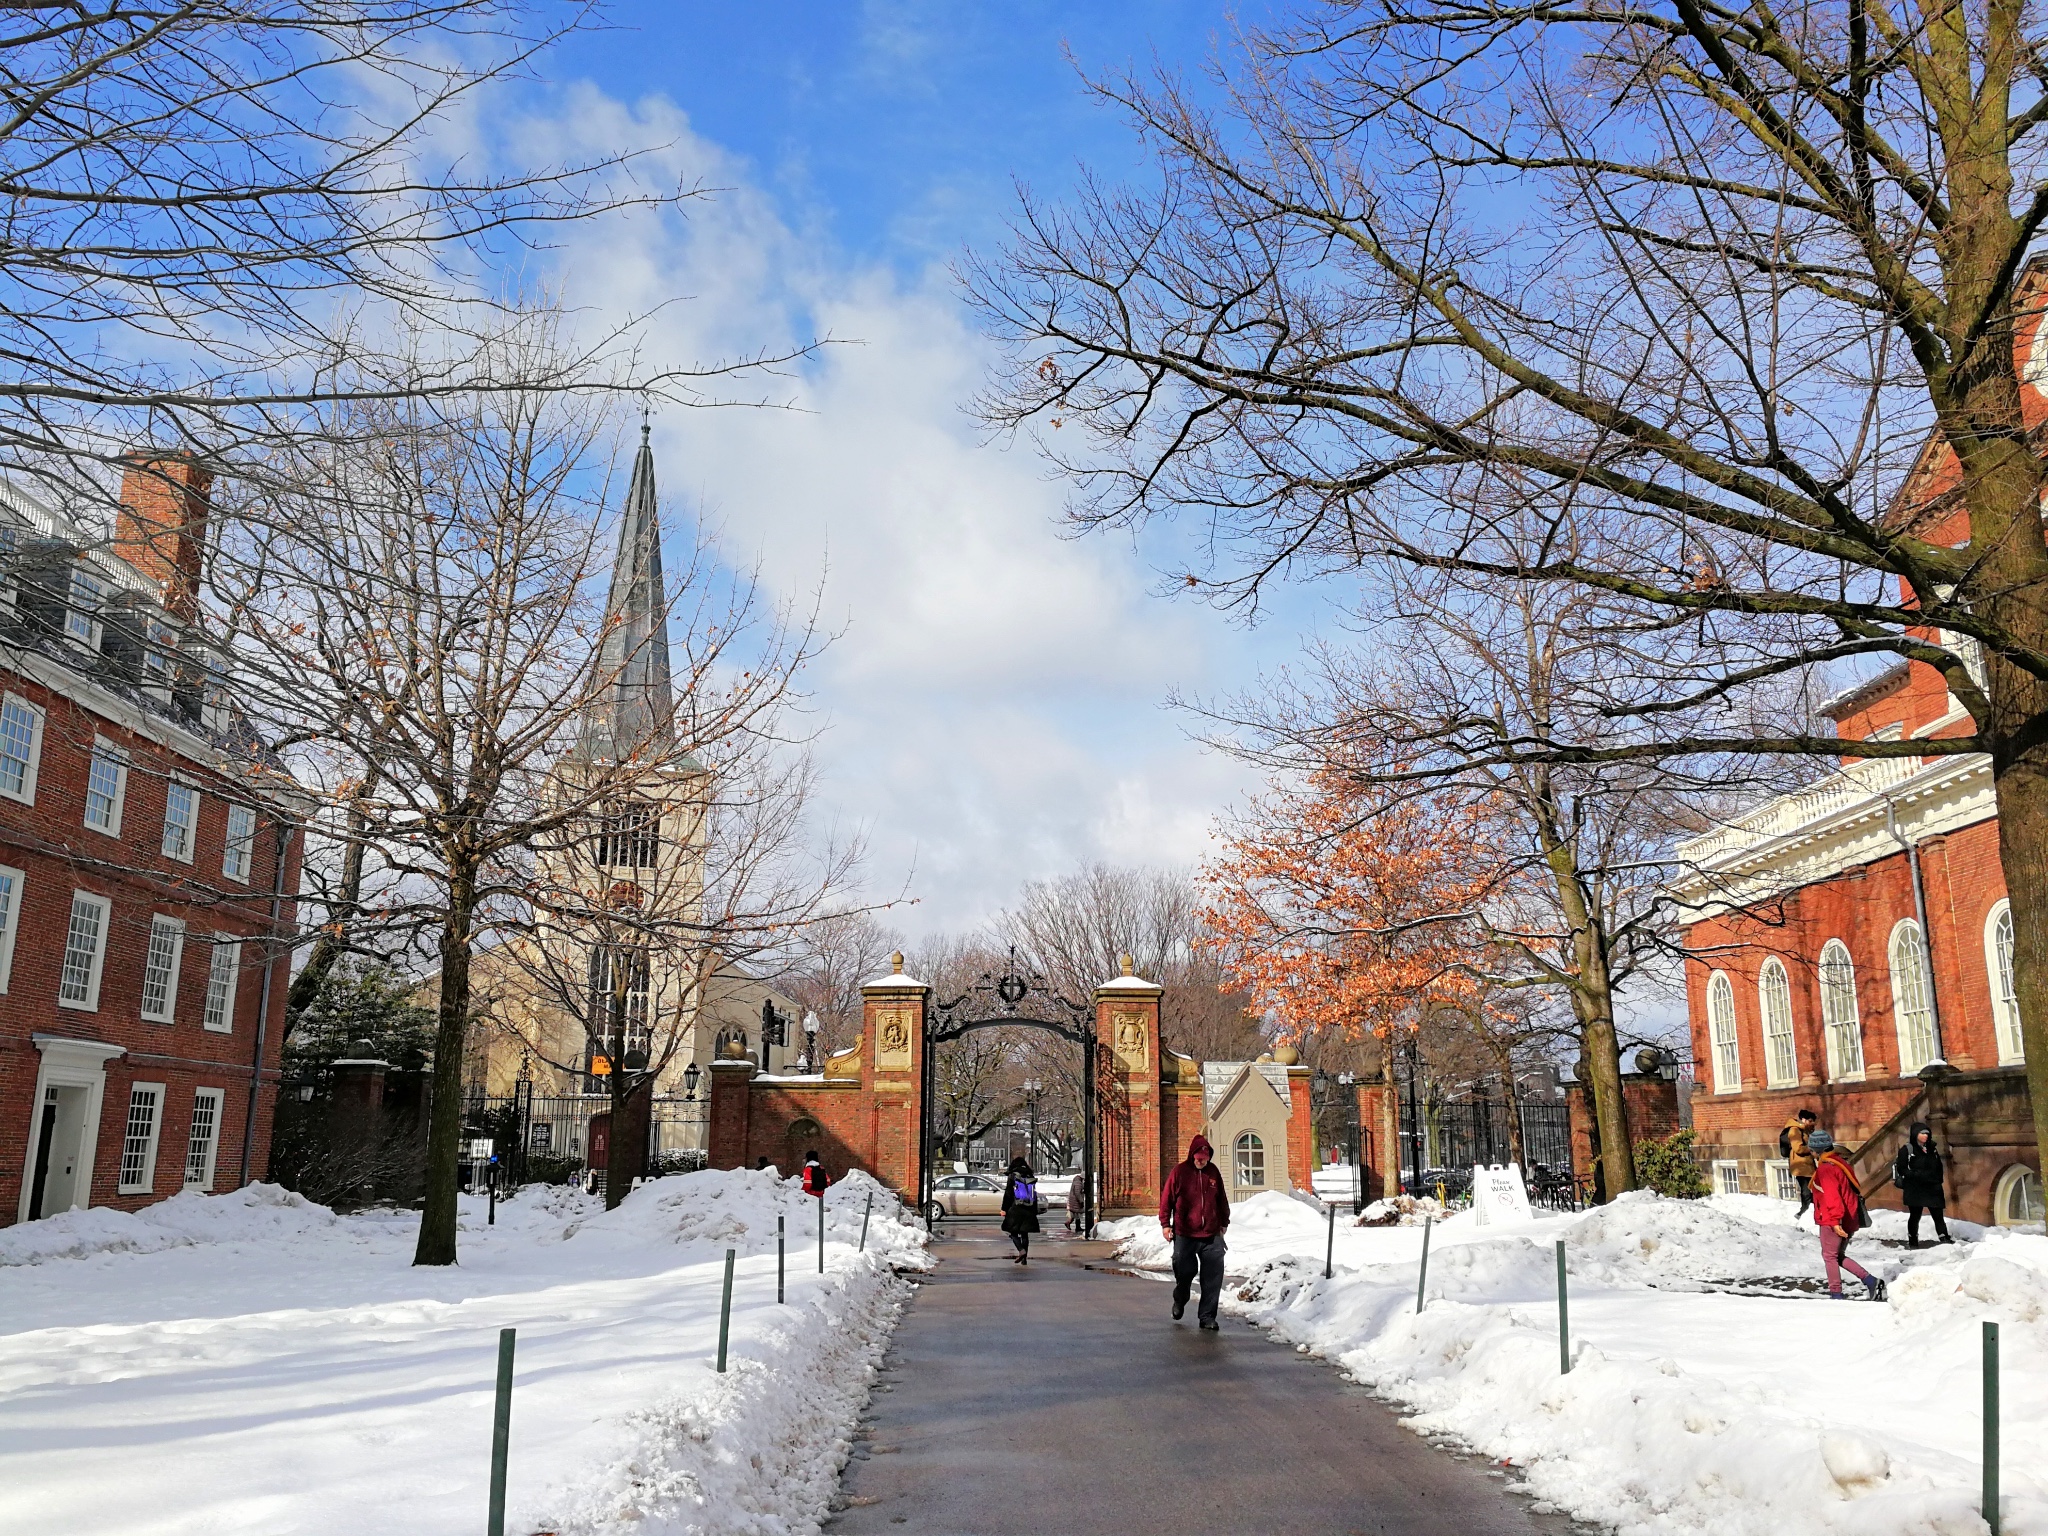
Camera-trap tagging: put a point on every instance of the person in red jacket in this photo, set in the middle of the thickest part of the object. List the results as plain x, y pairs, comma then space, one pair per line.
1194, 1211
1838, 1212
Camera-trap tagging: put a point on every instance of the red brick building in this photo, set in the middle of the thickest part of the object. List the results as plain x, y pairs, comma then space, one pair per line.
1850, 944
148, 865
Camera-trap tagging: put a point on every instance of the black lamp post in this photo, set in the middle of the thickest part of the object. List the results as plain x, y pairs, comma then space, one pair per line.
690, 1075
1032, 1086
811, 1062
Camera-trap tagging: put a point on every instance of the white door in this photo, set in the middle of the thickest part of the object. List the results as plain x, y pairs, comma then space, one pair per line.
59, 1151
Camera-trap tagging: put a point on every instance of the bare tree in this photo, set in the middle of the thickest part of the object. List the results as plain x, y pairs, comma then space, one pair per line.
836, 956
1575, 906
209, 204
1747, 288
424, 623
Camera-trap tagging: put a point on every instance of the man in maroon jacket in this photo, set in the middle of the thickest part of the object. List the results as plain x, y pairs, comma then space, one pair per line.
1194, 1210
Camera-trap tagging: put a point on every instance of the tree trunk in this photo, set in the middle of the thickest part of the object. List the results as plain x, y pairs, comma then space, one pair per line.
2022, 788
1610, 1112
444, 1128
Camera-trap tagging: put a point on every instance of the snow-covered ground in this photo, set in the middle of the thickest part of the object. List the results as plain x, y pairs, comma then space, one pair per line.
254, 1363
1688, 1408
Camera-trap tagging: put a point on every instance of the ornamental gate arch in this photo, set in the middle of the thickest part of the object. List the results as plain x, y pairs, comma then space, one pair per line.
870, 1102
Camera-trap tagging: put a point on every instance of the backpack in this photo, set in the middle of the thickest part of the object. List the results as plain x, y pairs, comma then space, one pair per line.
815, 1178
1899, 1166
1785, 1141
1025, 1191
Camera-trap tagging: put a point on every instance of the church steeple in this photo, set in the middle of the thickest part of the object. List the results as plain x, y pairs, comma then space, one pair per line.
634, 716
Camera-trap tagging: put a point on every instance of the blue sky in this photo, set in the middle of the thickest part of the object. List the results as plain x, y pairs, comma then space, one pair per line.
995, 708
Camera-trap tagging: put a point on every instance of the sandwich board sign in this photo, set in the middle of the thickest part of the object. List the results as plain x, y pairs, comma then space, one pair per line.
1498, 1195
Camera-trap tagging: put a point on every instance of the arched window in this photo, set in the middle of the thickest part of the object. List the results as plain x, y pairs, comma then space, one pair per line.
2016, 1201
1839, 1018
1781, 1058
1721, 1033
1912, 1002
1251, 1161
2005, 1000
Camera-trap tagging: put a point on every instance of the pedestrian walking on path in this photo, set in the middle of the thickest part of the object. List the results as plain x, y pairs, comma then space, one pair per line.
1798, 1154
1838, 1212
1020, 1207
1917, 1173
1077, 1204
1194, 1213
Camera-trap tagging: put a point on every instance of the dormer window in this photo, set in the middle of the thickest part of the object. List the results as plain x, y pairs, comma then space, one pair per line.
159, 656
82, 608
10, 546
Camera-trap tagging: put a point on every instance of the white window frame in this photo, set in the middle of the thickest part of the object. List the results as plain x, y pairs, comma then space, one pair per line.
245, 846
1998, 971
27, 793
223, 979
204, 1153
85, 595
1778, 1181
172, 930
1727, 1172
104, 751
90, 1003
1774, 1005
171, 787
159, 656
1724, 1044
1913, 1002
11, 882
146, 1184
1240, 1155
1842, 1032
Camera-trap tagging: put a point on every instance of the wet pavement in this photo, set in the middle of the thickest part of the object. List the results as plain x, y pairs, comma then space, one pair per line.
1056, 1398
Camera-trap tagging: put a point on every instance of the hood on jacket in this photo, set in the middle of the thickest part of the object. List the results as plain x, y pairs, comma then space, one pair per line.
1913, 1133
1201, 1144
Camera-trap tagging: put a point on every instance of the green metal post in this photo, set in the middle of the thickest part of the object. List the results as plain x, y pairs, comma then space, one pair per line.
1422, 1274
778, 1260
865, 1218
1564, 1319
725, 1312
1330, 1244
501, 1431
821, 1231
1991, 1426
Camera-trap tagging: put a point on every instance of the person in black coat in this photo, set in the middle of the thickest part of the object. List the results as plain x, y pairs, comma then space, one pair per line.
1917, 1172
1020, 1208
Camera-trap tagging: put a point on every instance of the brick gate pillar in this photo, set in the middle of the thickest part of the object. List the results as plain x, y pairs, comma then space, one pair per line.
892, 1073
1128, 1092
731, 1102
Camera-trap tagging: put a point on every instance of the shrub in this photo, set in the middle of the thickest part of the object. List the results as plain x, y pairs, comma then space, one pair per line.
551, 1168
694, 1160
1667, 1166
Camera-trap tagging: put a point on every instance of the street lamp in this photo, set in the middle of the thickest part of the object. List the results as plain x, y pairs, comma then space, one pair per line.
1031, 1090
1413, 1044
690, 1076
811, 1062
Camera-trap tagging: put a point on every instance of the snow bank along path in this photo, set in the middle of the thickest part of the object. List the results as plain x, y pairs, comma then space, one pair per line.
1687, 1409
254, 1363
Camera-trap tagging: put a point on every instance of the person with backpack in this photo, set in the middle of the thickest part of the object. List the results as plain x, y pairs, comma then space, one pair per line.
1194, 1213
1839, 1212
816, 1179
1917, 1175
1020, 1208
1792, 1146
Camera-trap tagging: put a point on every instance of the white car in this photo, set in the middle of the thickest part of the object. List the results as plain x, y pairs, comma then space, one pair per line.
968, 1194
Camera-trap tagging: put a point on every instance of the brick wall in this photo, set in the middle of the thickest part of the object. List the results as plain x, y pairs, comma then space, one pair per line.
58, 854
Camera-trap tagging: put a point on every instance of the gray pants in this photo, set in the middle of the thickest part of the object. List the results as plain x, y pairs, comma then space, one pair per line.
1207, 1254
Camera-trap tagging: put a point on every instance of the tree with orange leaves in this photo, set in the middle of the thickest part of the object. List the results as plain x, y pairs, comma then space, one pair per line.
1344, 908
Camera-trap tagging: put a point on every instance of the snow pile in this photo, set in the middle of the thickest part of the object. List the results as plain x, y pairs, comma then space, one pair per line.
255, 1213
1686, 1410
255, 1364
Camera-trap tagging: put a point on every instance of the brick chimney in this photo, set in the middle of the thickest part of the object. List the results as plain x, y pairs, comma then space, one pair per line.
161, 529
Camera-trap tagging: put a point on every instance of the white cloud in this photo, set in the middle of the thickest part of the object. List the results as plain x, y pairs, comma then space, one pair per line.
995, 703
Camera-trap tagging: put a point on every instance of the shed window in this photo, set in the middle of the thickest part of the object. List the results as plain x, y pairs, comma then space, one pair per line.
1251, 1161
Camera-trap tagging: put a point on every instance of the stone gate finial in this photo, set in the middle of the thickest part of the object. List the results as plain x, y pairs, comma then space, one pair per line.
1129, 965
896, 963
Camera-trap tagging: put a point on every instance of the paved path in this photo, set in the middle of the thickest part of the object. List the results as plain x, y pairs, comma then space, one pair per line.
1058, 1399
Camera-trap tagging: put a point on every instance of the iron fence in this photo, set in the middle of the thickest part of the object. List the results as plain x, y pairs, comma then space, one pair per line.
1453, 1138
548, 1135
